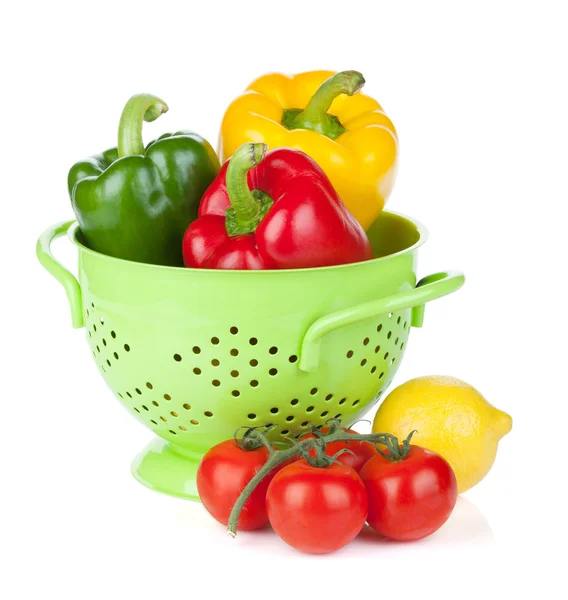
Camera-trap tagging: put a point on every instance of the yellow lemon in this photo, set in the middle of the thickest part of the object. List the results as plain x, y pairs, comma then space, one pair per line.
451, 418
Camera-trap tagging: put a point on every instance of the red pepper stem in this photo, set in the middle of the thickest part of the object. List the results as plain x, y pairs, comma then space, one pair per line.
247, 156
281, 456
140, 108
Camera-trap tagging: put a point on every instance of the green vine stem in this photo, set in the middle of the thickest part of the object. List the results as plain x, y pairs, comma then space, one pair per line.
278, 457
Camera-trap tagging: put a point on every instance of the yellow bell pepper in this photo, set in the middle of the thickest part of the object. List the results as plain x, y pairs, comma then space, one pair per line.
320, 113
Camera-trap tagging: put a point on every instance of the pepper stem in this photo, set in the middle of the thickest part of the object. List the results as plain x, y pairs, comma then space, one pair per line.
247, 207
315, 116
140, 108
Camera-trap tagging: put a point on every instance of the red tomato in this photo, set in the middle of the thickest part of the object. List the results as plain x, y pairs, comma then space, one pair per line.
316, 509
222, 475
412, 498
362, 451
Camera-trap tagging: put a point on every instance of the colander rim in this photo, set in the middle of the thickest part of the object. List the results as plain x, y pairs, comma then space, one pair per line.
420, 228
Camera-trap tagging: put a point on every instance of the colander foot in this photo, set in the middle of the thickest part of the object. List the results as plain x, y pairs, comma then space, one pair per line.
167, 468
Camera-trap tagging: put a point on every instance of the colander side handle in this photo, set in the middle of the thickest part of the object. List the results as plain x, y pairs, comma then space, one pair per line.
429, 288
65, 278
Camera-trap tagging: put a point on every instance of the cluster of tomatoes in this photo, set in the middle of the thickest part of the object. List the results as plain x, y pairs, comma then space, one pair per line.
318, 494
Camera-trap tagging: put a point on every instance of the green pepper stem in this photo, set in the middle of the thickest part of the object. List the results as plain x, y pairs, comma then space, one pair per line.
281, 456
140, 108
247, 209
314, 116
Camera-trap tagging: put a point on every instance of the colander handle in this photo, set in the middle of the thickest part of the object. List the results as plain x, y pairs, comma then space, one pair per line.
427, 289
65, 278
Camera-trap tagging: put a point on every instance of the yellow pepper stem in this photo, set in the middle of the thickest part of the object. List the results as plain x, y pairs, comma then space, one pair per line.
314, 116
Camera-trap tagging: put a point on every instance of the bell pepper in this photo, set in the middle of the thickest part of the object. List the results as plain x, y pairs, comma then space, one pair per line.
135, 203
273, 211
319, 112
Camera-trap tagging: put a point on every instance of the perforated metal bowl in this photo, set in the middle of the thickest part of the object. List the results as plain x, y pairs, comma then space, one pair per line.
195, 354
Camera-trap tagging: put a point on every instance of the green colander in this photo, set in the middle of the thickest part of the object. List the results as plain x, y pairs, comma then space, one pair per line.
194, 354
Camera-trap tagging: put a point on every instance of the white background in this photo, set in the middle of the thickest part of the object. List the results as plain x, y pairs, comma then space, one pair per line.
477, 92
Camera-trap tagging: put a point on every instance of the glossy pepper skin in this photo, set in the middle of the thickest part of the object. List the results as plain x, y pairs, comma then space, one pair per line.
273, 211
135, 203
320, 112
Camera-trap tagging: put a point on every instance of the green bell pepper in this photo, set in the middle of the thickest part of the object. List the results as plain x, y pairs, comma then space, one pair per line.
135, 203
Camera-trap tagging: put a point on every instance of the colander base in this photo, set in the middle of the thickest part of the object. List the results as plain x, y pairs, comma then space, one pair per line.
167, 468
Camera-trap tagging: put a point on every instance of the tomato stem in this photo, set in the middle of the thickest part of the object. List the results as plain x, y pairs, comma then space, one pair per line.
278, 457
396, 452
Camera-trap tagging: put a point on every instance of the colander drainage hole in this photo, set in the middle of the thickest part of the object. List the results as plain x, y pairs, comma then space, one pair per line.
253, 341
304, 423
167, 397
155, 403
163, 419
136, 410
290, 418
328, 397
294, 402
254, 383
197, 371
194, 422
389, 335
108, 362
343, 400
153, 422
253, 362
363, 362
95, 328
314, 391
120, 395
102, 321
90, 334
177, 357
149, 385
273, 372
293, 358
402, 346
215, 341
273, 350
405, 325
216, 382
349, 354
173, 432
390, 315
104, 342
324, 413
234, 352
309, 409
386, 355
137, 390
115, 354
127, 347
145, 408
234, 330
382, 375
337, 416
98, 350
208, 413
285, 432
356, 402
379, 327
129, 394
236, 393
373, 369
396, 341
252, 416
187, 406
174, 413
196, 350
377, 349
234, 373
365, 341
113, 335
274, 410
215, 362
398, 320
182, 427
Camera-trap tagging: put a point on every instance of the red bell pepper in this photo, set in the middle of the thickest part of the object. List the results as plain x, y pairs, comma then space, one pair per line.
273, 211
